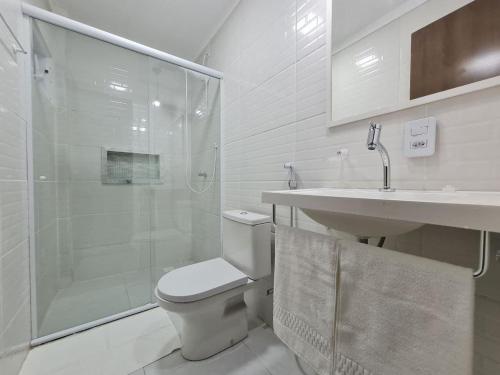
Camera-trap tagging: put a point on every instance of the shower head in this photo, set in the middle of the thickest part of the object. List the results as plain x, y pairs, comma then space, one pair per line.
202, 108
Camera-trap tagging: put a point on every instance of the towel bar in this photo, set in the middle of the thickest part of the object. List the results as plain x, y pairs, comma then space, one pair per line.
484, 250
19, 48
292, 220
484, 255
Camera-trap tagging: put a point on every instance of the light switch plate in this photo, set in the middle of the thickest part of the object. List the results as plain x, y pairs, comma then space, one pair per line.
420, 137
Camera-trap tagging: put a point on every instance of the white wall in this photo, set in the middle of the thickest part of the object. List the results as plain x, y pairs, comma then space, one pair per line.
15, 327
273, 88
274, 102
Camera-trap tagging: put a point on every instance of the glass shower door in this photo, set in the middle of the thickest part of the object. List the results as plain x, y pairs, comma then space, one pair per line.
92, 174
185, 132
126, 176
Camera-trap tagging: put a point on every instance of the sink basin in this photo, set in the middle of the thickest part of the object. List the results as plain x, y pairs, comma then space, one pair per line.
372, 213
361, 226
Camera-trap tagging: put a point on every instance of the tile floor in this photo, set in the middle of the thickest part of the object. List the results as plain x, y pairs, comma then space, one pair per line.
117, 348
261, 353
147, 343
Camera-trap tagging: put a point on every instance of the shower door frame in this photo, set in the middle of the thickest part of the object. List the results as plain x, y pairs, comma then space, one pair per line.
31, 12
81, 28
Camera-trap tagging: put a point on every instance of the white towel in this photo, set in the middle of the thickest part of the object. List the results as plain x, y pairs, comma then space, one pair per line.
399, 314
304, 295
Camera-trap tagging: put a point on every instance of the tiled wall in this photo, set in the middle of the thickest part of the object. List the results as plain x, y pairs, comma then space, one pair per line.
15, 327
273, 56
274, 86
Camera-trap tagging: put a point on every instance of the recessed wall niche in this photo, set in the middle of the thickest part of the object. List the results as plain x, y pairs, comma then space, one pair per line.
122, 168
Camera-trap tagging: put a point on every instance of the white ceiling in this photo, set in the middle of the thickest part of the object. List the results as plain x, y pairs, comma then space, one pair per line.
179, 27
352, 16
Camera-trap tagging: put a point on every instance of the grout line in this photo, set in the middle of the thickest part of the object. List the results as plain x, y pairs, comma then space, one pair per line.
257, 357
295, 122
14, 247
14, 316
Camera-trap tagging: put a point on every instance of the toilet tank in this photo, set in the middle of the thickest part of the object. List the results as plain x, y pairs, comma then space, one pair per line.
247, 242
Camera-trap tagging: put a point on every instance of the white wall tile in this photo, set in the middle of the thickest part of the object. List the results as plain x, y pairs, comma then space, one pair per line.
11, 64
272, 50
15, 323
15, 342
270, 105
311, 84
12, 158
311, 26
15, 284
13, 214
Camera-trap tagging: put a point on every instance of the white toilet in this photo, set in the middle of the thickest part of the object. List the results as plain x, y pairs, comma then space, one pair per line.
206, 299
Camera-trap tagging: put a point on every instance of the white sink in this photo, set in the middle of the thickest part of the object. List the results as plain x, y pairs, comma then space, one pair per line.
372, 213
361, 226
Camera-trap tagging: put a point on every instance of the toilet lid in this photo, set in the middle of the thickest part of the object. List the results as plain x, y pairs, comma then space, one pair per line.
200, 280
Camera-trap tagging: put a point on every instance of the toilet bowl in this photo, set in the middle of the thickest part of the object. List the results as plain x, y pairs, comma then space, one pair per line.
206, 299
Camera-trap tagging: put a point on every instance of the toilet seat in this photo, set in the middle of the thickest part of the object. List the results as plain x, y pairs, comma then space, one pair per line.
200, 280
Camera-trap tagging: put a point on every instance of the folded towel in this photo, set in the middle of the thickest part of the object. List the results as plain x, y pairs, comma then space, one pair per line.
398, 314
304, 295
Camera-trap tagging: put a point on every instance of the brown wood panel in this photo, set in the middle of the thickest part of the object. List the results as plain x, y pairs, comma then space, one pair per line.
460, 48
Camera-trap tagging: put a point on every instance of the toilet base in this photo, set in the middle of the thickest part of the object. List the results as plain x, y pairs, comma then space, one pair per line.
212, 327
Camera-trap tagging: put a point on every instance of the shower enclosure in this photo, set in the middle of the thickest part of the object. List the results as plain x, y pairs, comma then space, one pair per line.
124, 174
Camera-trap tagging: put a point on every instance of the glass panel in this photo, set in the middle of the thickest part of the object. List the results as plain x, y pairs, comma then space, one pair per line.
185, 123
126, 175
170, 201
203, 119
92, 238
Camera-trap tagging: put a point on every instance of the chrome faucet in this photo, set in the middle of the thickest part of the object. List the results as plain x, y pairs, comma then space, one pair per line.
373, 143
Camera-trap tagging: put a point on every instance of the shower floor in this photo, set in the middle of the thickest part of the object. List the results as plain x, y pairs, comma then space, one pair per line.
85, 301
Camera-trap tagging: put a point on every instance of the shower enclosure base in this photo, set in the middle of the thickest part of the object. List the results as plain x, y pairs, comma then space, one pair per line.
95, 323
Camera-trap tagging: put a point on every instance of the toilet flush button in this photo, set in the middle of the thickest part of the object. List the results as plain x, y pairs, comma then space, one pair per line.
419, 130
420, 137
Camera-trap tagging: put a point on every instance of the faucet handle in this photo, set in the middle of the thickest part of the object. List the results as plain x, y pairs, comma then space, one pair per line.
292, 181
373, 139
